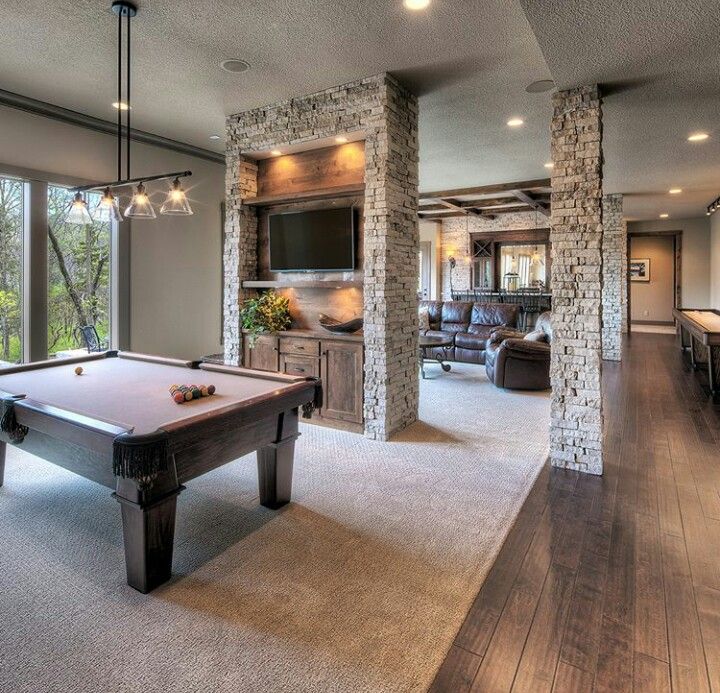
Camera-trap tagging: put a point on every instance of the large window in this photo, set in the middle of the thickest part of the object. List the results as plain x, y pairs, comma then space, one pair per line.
11, 267
78, 274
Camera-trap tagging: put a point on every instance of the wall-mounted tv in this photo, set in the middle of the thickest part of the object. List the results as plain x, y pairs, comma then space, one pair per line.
321, 240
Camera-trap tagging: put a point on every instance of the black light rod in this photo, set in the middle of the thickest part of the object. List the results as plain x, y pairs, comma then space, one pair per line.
131, 181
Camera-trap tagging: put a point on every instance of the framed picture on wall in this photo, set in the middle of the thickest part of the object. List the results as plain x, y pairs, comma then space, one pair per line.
639, 270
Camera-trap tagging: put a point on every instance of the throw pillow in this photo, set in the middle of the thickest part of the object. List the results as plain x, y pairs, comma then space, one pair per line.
536, 336
424, 318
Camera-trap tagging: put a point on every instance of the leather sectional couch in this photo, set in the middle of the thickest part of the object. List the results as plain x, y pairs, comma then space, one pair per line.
470, 325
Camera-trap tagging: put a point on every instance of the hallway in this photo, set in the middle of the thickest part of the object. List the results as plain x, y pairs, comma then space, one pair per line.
607, 581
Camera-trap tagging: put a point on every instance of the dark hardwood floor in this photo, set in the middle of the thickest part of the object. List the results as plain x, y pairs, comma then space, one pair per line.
612, 583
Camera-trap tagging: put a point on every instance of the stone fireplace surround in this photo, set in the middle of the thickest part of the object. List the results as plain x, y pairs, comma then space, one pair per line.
386, 113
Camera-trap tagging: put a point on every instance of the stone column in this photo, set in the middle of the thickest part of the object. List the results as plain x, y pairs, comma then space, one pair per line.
576, 233
391, 274
240, 251
614, 290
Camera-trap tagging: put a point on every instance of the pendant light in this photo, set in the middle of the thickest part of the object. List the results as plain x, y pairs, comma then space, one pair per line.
140, 207
176, 203
78, 212
107, 209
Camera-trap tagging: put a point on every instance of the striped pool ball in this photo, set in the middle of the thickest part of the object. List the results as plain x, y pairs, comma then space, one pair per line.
188, 395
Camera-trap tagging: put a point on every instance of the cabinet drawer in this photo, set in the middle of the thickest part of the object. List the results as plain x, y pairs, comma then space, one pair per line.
300, 365
299, 345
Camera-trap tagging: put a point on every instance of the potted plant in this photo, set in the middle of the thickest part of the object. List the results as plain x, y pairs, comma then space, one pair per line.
269, 312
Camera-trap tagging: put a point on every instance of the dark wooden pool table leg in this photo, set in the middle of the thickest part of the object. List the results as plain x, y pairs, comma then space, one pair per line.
148, 518
3, 450
275, 463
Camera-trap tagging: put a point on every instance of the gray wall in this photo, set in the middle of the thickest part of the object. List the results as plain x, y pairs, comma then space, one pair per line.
653, 301
695, 255
175, 275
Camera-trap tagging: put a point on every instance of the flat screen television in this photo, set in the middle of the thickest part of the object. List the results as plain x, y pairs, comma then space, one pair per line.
321, 240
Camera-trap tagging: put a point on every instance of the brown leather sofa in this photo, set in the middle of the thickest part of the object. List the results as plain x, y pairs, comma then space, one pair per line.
469, 324
518, 361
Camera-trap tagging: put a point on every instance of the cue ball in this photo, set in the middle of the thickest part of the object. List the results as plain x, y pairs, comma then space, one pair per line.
78, 370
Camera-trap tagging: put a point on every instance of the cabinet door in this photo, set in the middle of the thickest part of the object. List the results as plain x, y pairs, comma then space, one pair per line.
292, 364
264, 354
342, 378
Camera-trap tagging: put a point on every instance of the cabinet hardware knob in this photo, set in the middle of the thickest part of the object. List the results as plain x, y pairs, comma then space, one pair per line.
300, 370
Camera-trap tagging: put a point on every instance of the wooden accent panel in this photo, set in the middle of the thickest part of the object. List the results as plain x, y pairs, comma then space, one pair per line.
342, 369
317, 169
264, 354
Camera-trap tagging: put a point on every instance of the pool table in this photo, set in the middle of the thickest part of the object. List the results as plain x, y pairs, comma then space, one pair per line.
117, 425
699, 332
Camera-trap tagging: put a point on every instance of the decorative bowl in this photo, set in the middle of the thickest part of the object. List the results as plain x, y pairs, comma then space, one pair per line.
332, 325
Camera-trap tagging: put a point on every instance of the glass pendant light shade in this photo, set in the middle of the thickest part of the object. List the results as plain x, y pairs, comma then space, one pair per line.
78, 212
107, 209
176, 203
140, 207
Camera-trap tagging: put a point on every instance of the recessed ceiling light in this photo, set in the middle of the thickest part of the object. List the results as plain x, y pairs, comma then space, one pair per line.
515, 122
664, 216
121, 106
698, 137
276, 152
235, 65
540, 86
214, 137
416, 4
341, 140
675, 191
549, 164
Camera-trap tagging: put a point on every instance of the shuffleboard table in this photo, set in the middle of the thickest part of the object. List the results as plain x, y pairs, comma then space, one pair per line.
699, 332
117, 425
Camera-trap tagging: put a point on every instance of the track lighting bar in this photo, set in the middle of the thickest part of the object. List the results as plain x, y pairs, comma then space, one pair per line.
131, 181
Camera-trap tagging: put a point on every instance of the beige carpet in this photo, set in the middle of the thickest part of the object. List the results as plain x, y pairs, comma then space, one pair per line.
359, 585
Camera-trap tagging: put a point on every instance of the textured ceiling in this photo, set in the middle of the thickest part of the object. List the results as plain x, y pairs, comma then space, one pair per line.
660, 62
469, 61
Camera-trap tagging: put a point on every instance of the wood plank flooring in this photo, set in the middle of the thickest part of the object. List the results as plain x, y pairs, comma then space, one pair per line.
612, 583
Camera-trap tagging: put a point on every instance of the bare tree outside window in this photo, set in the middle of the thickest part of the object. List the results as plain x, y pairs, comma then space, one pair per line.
78, 274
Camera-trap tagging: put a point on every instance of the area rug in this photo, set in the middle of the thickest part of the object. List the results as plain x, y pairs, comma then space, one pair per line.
360, 584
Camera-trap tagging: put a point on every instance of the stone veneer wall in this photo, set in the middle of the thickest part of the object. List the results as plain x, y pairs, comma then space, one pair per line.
614, 289
576, 279
387, 113
455, 242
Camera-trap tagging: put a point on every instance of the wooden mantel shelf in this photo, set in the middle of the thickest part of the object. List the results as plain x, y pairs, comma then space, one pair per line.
303, 284
305, 196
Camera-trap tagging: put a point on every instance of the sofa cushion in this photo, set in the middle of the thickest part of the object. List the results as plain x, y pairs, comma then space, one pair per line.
440, 333
434, 309
469, 340
455, 316
495, 314
536, 336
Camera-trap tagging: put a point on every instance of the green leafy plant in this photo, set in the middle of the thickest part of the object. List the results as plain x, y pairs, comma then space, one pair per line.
269, 312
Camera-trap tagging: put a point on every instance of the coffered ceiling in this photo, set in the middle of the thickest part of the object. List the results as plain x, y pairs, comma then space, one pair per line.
468, 60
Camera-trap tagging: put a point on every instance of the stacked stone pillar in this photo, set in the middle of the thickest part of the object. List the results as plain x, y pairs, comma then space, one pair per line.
240, 251
386, 113
576, 233
614, 290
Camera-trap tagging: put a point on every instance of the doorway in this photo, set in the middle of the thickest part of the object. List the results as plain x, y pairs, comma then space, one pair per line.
654, 280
